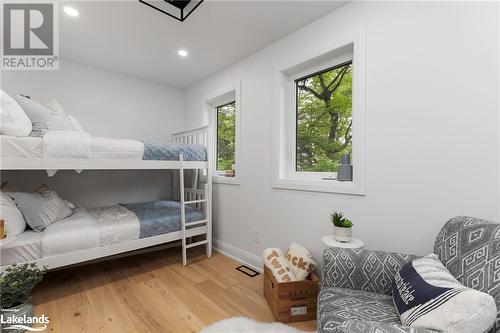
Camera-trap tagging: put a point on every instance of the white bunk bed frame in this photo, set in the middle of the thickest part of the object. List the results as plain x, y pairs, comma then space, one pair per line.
200, 198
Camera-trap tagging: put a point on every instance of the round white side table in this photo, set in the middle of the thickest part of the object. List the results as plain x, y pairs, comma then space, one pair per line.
353, 244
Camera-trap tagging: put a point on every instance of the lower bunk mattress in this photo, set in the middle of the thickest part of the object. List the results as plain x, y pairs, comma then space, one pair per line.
97, 227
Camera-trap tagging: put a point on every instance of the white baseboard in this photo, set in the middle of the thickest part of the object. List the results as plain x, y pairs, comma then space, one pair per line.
239, 255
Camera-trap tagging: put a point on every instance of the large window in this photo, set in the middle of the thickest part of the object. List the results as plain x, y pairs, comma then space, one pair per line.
319, 118
323, 117
226, 136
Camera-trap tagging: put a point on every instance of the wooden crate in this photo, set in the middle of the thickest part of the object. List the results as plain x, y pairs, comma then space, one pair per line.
291, 301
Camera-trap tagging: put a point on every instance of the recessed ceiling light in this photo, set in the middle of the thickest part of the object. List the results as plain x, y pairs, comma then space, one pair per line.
71, 11
183, 53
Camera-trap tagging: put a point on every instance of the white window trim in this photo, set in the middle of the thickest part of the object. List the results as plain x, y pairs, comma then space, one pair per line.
232, 92
283, 145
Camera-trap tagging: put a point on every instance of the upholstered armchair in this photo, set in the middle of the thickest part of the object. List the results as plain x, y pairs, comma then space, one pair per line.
355, 296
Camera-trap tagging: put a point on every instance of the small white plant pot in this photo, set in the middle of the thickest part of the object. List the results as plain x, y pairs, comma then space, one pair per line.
343, 235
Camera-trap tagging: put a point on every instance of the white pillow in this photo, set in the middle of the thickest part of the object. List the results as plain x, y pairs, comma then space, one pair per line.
426, 295
13, 219
76, 124
55, 106
14, 120
42, 118
42, 207
275, 260
301, 261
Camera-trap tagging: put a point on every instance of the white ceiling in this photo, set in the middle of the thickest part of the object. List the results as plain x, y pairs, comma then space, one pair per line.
130, 38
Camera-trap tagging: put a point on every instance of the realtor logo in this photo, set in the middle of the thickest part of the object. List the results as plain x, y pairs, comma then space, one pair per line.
30, 38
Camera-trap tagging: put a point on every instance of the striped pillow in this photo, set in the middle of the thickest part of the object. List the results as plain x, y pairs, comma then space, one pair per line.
41, 207
42, 118
426, 295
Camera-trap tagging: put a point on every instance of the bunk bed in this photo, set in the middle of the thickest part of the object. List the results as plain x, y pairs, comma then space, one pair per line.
193, 204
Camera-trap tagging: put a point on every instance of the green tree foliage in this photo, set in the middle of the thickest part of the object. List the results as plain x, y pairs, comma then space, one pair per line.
324, 119
226, 136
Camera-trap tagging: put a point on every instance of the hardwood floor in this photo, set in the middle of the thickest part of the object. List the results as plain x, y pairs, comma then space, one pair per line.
151, 292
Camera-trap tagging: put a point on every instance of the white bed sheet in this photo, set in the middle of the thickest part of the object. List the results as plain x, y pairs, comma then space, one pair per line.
23, 147
85, 229
76, 232
100, 148
67, 144
105, 148
24, 247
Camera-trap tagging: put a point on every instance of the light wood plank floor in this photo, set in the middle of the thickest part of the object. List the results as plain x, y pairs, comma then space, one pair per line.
151, 293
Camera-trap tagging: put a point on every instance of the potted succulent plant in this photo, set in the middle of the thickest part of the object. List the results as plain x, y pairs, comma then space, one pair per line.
342, 227
16, 284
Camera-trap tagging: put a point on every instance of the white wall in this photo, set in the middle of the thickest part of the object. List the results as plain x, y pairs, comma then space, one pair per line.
107, 104
110, 105
432, 130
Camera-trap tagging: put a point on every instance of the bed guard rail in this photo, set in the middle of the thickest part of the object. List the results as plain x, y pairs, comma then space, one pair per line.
193, 136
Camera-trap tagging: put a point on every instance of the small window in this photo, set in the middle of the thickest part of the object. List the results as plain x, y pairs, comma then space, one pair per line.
323, 120
226, 138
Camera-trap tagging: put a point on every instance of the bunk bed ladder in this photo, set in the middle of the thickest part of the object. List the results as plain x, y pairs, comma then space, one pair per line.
198, 203
183, 210
200, 198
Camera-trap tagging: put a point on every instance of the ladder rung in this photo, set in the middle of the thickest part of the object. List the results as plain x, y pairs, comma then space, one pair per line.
194, 201
196, 244
188, 224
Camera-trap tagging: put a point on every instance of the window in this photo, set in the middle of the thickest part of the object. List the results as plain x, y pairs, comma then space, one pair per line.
323, 119
224, 112
226, 138
319, 113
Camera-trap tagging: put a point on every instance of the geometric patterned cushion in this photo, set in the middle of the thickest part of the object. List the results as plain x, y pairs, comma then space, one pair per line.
470, 249
337, 305
362, 326
365, 270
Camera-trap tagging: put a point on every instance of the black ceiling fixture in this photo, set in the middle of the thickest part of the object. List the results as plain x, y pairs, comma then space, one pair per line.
178, 9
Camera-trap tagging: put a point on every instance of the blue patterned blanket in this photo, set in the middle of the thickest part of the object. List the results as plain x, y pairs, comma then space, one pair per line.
161, 217
171, 152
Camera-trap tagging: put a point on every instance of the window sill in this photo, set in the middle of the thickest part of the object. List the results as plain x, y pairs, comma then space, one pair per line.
325, 186
225, 180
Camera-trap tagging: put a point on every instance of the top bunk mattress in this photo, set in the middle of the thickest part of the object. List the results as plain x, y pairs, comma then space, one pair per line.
72, 144
25, 147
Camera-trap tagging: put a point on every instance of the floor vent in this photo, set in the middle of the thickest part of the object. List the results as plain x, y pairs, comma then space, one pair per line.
247, 271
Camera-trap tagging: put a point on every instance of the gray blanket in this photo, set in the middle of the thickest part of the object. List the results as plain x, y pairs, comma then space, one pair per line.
171, 152
161, 217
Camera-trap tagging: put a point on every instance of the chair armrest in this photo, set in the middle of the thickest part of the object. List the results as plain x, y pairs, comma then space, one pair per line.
359, 326
362, 269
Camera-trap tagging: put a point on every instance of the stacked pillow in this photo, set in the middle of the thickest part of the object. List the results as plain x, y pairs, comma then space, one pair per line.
427, 295
300, 260
296, 265
275, 260
37, 209
21, 117
42, 118
14, 220
13, 120
58, 111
